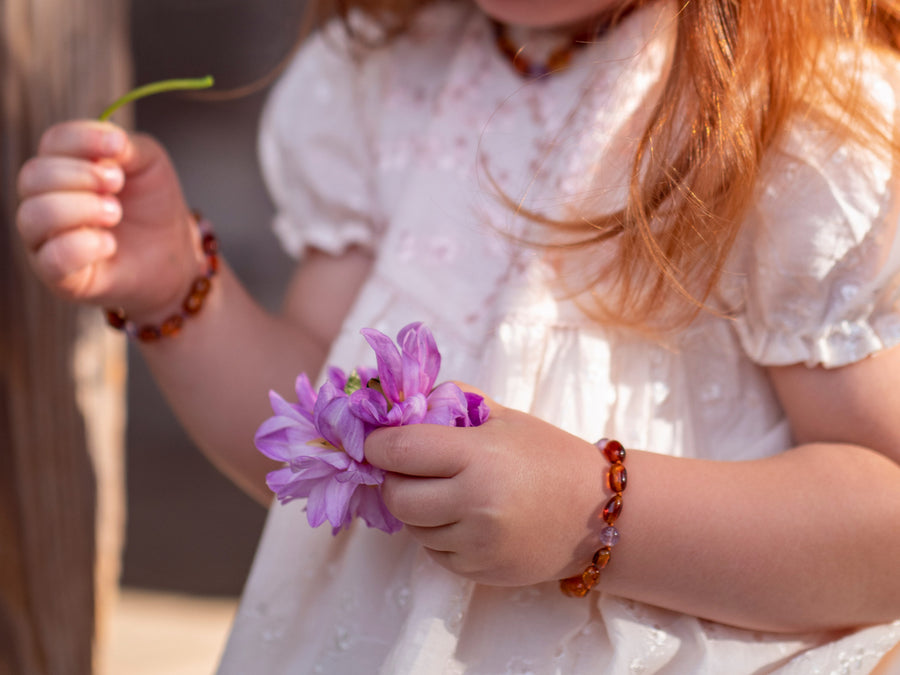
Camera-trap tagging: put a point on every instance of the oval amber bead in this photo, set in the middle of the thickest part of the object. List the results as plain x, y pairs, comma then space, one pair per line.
210, 244
613, 509
614, 452
591, 576
171, 326
201, 286
148, 334
573, 587
192, 303
116, 318
601, 557
618, 477
559, 60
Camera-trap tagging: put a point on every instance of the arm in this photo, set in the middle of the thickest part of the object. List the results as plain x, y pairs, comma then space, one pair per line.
216, 374
104, 222
805, 540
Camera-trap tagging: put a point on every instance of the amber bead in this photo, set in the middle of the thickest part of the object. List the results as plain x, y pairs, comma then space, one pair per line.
210, 244
617, 478
201, 286
171, 326
601, 557
613, 451
613, 509
116, 318
574, 587
591, 576
192, 303
521, 64
148, 334
213, 261
559, 59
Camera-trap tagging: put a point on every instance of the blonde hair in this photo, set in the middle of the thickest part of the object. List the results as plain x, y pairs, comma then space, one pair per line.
742, 70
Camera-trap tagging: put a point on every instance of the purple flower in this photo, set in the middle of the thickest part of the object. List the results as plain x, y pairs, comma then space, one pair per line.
405, 391
320, 438
321, 443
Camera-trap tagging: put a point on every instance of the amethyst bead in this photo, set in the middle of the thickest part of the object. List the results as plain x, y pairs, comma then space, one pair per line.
609, 536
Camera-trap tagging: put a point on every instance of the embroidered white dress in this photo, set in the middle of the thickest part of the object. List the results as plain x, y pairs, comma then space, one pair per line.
398, 153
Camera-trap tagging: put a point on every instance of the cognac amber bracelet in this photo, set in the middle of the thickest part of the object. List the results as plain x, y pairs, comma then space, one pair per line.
616, 479
192, 304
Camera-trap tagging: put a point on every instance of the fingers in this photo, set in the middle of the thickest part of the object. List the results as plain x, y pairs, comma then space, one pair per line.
51, 174
422, 502
69, 186
98, 141
68, 261
84, 139
44, 216
421, 449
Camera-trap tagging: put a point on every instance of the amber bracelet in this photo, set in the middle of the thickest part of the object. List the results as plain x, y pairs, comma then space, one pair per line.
616, 479
192, 304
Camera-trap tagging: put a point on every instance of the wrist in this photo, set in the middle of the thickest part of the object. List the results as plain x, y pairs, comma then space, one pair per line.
153, 325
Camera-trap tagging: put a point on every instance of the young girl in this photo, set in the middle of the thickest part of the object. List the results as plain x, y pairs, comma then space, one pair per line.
670, 223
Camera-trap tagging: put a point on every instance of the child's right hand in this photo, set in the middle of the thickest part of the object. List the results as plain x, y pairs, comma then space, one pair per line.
104, 220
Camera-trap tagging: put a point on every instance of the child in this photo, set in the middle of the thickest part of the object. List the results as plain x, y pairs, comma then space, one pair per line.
684, 240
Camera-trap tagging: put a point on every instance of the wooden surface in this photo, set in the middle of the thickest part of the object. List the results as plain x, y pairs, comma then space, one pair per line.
61, 374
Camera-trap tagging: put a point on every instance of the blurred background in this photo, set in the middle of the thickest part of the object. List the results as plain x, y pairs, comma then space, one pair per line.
190, 533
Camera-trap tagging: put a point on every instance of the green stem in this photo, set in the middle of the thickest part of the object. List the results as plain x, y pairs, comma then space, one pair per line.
157, 88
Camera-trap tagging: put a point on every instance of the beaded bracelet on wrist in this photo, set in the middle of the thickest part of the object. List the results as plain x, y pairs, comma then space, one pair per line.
616, 479
192, 303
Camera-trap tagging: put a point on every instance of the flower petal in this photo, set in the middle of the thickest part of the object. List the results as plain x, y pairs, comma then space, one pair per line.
410, 411
282, 438
283, 408
417, 342
390, 365
337, 377
478, 411
285, 487
337, 496
316, 513
446, 405
338, 425
370, 406
306, 395
362, 473
368, 504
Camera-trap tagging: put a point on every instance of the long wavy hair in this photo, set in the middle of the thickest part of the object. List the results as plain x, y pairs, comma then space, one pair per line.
742, 70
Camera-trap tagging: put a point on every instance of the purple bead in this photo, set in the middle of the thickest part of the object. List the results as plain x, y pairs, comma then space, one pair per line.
609, 536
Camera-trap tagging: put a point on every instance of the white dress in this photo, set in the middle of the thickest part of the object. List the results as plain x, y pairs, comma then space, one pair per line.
397, 153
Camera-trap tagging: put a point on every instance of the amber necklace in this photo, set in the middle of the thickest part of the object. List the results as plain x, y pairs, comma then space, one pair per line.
557, 60
560, 57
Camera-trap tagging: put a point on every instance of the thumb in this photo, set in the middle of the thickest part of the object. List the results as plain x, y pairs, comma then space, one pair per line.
139, 153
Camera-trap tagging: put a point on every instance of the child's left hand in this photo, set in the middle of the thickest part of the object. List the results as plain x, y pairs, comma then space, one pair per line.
512, 502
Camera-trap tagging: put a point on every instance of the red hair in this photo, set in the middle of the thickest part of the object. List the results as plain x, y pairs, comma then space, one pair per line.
742, 70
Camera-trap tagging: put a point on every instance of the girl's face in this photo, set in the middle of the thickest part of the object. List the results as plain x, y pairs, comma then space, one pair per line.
546, 13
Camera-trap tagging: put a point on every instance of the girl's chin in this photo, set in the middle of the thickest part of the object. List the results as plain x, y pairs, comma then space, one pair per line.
543, 14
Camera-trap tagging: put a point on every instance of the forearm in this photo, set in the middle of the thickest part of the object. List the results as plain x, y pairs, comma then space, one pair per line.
217, 373
805, 540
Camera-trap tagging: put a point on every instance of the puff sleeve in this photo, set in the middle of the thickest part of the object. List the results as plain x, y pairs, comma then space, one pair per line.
820, 260
316, 148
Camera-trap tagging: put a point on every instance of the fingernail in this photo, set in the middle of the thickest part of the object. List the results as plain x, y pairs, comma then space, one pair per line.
112, 177
106, 244
113, 142
111, 209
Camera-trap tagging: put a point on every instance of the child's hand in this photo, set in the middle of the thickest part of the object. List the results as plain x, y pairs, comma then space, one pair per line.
104, 220
512, 502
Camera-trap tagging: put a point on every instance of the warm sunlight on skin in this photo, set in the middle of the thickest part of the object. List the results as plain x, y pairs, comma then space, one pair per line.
546, 13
